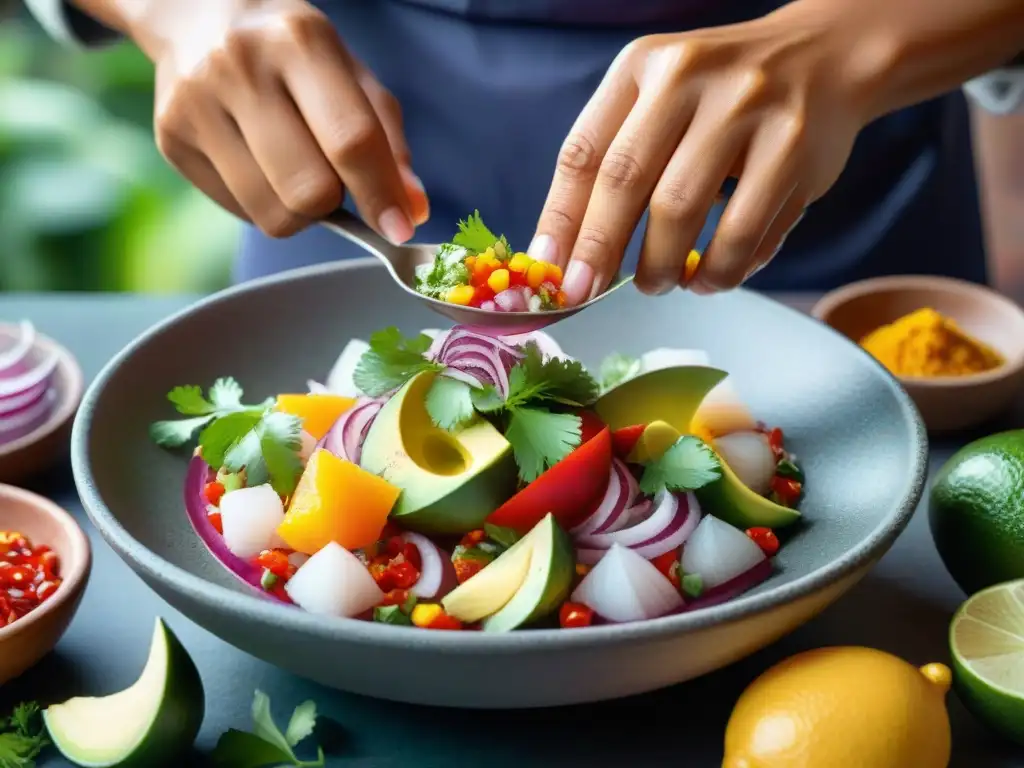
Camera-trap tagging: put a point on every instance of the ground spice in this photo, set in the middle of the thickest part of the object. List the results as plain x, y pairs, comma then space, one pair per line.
925, 343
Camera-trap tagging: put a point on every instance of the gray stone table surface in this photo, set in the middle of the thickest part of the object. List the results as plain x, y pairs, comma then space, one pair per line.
903, 606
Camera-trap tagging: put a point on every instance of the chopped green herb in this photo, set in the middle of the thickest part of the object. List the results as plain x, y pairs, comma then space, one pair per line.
616, 369
409, 604
686, 466
266, 746
449, 403
269, 452
475, 237
268, 580
225, 399
22, 737
391, 614
445, 272
692, 584
391, 361
504, 537
540, 439
787, 468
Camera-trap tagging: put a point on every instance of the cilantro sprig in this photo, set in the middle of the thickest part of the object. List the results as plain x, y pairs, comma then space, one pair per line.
233, 436
617, 369
688, 465
22, 737
266, 745
391, 361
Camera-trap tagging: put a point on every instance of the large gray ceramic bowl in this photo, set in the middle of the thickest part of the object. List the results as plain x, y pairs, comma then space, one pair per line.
856, 432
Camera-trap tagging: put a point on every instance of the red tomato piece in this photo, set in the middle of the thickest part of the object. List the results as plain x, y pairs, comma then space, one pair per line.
444, 621
766, 539
213, 492
787, 489
575, 615
625, 439
570, 490
668, 564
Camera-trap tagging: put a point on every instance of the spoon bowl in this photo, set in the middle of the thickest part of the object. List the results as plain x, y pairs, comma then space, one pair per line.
401, 262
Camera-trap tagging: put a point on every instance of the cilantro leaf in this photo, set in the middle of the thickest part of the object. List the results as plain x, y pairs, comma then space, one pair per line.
540, 439
226, 394
391, 614
553, 380
487, 399
225, 398
189, 401
269, 452
449, 403
174, 434
391, 361
689, 464
473, 234
616, 369
266, 746
22, 737
223, 433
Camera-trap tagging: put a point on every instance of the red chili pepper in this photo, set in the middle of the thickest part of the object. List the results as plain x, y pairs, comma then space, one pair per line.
412, 555
405, 574
275, 561
473, 538
213, 492
216, 521
575, 615
776, 440
28, 576
396, 597
668, 564
787, 489
766, 539
444, 621
466, 568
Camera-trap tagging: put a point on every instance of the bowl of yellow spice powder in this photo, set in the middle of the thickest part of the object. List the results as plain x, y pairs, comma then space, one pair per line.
956, 347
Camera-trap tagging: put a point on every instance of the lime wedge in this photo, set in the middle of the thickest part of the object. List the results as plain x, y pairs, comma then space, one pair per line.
986, 640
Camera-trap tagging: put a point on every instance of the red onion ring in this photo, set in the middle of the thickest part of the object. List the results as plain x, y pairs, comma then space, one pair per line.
486, 358
14, 403
12, 358
621, 490
17, 384
345, 437
733, 588
668, 527
437, 574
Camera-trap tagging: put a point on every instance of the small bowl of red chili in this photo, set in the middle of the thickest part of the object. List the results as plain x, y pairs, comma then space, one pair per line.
44, 565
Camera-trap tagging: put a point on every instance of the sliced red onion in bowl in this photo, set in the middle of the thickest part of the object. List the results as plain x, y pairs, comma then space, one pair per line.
672, 521
733, 588
512, 300
437, 574
719, 552
24, 421
621, 490
626, 587
487, 359
13, 359
199, 474
345, 437
27, 396
18, 383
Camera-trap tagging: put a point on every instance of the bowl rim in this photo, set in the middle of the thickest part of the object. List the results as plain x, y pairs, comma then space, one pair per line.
73, 574
231, 601
70, 395
856, 290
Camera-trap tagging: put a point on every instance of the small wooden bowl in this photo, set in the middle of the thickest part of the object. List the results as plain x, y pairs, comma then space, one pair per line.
31, 637
49, 441
946, 403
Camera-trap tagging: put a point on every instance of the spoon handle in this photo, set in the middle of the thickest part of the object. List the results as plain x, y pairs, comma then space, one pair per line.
355, 230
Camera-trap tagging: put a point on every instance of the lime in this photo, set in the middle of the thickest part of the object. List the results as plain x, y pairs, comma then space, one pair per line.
986, 640
976, 512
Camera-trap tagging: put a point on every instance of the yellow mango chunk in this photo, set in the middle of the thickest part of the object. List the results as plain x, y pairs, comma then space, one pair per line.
318, 412
336, 500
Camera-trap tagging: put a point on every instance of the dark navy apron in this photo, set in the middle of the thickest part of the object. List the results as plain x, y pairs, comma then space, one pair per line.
491, 87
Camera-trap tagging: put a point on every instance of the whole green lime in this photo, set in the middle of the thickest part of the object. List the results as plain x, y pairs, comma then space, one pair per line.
976, 512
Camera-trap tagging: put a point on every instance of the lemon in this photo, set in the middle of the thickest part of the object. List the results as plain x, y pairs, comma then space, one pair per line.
987, 642
844, 707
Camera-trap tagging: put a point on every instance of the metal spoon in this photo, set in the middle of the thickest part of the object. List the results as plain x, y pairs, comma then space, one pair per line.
401, 261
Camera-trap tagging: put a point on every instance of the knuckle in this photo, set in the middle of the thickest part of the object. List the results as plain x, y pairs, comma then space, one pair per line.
750, 91
301, 26
312, 196
355, 138
675, 204
620, 171
739, 237
792, 130
595, 241
578, 158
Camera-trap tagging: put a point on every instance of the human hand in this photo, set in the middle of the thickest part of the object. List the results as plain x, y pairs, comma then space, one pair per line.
259, 104
776, 103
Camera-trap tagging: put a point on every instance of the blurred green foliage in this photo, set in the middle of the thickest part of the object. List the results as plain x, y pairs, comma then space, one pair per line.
86, 201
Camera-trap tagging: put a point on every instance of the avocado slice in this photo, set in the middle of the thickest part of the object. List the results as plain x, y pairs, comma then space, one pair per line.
672, 395
450, 481
525, 583
147, 725
727, 498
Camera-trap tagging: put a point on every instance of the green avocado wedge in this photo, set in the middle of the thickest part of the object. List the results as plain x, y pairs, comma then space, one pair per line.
672, 395
450, 481
149, 725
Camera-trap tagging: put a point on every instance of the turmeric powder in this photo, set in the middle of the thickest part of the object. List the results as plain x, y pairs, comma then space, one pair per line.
925, 343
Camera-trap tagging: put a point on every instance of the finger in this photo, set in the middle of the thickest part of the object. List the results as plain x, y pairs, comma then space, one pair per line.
350, 134
288, 155
623, 186
194, 166
222, 142
683, 198
785, 222
768, 180
577, 166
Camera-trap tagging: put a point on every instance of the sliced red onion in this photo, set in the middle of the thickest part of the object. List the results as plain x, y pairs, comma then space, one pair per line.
13, 358
670, 524
14, 426
630, 516
731, 589
345, 438
625, 587
488, 306
437, 574
619, 494
486, 358
19, 383
512, 300
199, 474
718, 552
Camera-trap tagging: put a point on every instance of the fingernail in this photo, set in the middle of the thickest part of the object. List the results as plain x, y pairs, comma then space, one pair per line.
578, 282
420, 202
395, 225
543, 248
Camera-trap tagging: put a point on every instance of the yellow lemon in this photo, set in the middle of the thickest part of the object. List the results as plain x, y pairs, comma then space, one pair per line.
842, 708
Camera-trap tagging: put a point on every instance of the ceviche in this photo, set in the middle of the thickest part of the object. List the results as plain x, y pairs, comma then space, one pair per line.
457, 481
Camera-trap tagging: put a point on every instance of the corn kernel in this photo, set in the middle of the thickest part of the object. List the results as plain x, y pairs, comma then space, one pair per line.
460, 294
692, 262
488, 255
500, 251
470, 262
424, 614
520, 262
554, 273
536, 274
498, 281
560, 299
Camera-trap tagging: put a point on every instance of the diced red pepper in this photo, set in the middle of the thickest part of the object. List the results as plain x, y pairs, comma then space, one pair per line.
776, 440
29, 575
668, 564
404, 573
444, 621
216, 521
466, 568
624, 440
473, 538
396, 597
787, 489
276, 561
575, 615
766, 539
213, 492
